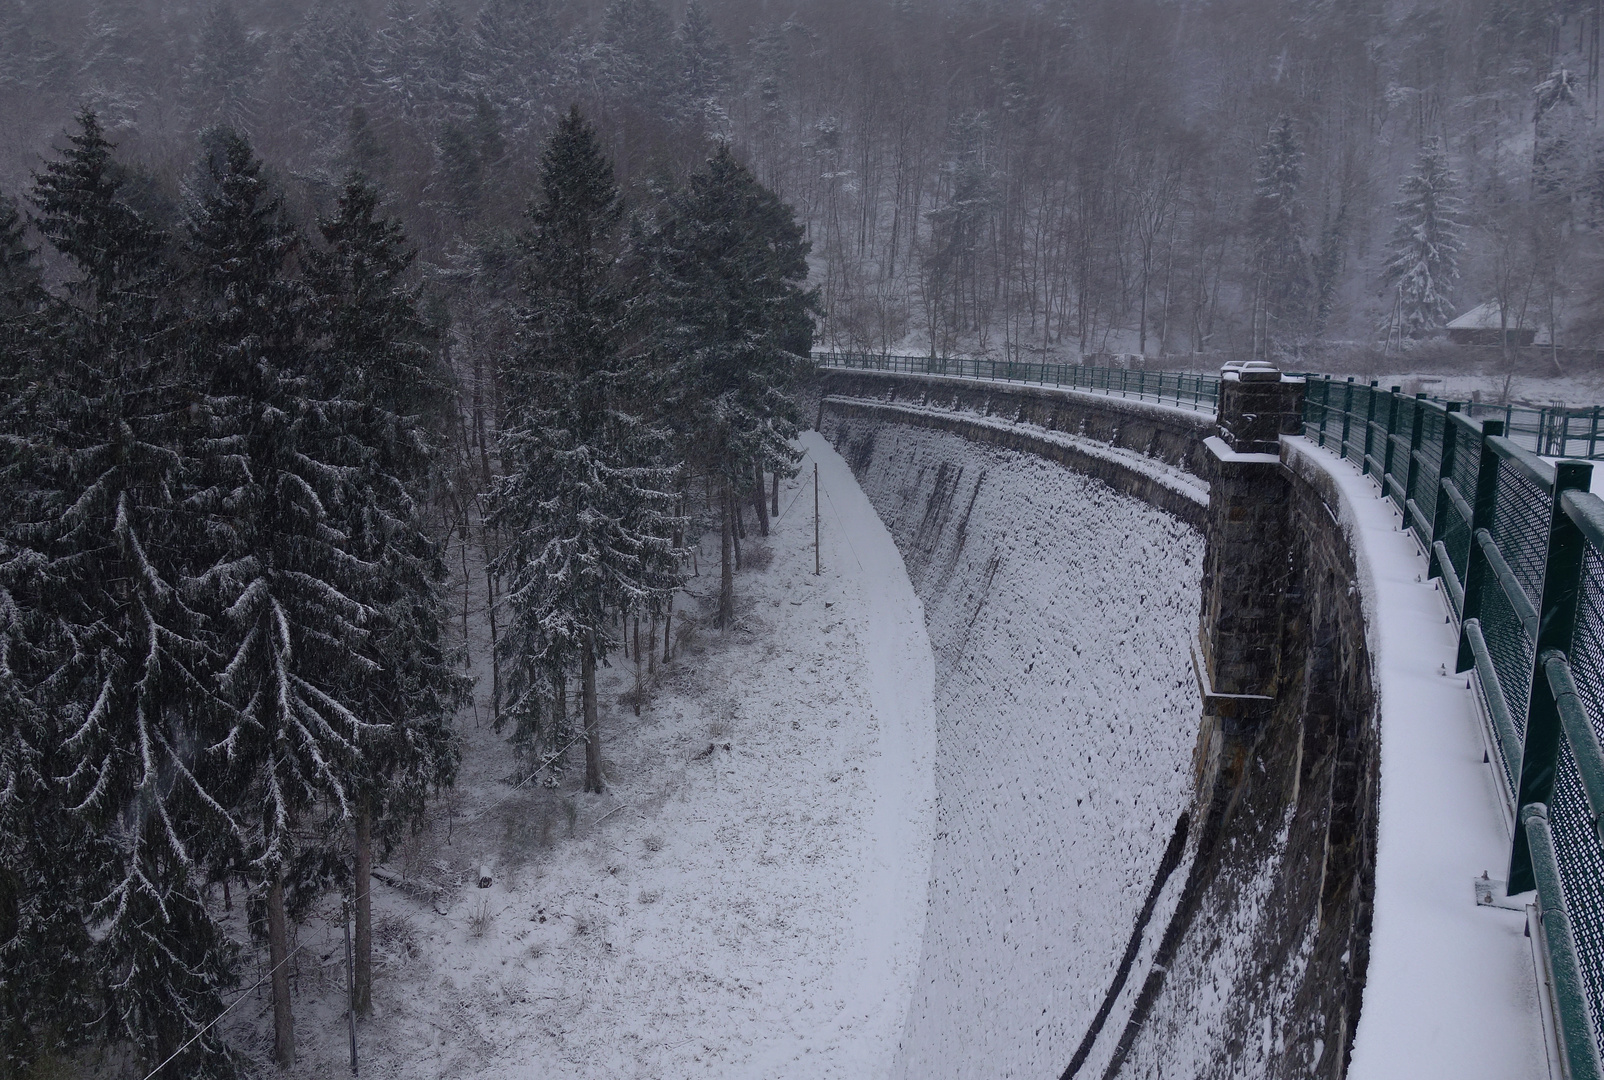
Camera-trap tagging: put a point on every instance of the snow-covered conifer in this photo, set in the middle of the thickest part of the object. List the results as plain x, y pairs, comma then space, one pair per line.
704, 69
733, 322
390, 395
284, 590
1282, 275
106, 643
514, 48
221, 84
1423, 253
587, 503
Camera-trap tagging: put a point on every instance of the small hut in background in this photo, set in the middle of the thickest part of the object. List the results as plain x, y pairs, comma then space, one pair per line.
1481, 325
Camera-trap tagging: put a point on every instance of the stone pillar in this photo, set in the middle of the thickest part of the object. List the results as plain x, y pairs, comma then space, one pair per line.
1246, 566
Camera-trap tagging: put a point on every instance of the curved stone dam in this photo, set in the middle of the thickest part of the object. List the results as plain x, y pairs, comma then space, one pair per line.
1139, 870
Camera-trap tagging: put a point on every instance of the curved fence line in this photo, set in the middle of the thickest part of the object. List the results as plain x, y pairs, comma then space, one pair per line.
1549, 431
1518, 543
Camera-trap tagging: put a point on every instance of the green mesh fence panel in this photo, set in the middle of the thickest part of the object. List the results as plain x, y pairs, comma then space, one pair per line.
1511, 651
1581, 870
1581, 858
1587, 644
1425, 487
1520, 526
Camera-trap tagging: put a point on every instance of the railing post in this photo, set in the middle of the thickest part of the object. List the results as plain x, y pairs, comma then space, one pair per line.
1441, 507
1556, 624
1412, 471
1370, 427
1325, 408
1481, 517
1347, 416
1392, 428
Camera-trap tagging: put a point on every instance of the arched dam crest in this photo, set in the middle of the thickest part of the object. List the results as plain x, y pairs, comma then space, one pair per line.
1157, 753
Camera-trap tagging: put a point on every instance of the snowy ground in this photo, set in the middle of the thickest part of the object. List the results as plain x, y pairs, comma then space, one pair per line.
746, 900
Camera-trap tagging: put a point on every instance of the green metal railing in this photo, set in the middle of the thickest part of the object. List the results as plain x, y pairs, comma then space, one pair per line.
1548, 431
1185, 389
1518, 544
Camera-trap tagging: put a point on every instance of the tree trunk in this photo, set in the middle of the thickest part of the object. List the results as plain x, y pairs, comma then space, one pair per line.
726, 589
278, 954
639, 686
362, 984
593, 777
495, 659
668, 629
774, 509
761, 503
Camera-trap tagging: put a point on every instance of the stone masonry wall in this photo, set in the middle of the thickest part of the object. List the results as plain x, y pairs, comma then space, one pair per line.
1254, 961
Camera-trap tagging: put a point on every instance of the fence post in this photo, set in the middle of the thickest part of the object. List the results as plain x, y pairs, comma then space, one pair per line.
1482, 506
1370, 421
1347, 416
1556, 623
1412, 470
1441, 506
1386, 455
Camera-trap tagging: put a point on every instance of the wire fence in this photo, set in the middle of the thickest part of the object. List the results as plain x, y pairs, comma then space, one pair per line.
1185, 389
1518, 544
1549, 431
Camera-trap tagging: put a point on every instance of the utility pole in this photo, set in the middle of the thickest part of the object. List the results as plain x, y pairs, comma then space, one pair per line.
350, 988
817, 568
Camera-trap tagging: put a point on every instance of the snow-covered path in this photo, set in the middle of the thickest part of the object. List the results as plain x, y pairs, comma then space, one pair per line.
875, 979
1451, 987
748, 897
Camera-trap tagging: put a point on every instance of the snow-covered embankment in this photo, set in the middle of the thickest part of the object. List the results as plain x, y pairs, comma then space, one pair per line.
1061, 615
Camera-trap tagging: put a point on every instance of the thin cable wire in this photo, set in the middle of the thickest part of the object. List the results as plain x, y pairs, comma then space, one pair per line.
243, 995
843, 525
799, 489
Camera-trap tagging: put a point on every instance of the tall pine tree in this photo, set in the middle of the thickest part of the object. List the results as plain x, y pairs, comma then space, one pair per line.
97, 543
587, 502
390, 395
733, 322
1283, 285
1423, 253
284, 589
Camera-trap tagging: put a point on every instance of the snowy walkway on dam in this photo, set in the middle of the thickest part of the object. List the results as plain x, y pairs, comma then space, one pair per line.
1451, 989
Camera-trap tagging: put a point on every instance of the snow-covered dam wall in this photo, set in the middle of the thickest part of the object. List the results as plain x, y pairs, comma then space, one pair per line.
1122, 885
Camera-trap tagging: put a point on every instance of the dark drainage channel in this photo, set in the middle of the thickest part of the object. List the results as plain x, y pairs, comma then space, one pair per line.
1166, 867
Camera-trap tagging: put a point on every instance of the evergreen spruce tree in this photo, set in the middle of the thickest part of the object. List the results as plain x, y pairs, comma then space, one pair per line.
1282, 280
587, 503
104, 641
704, 69
21, 296
514, 49
284, 591
391, 396
1423, 254
329, 64
46, 970
221, 84
734, 325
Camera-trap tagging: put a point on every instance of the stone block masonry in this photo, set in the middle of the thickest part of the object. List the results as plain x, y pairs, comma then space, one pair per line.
1254, 960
